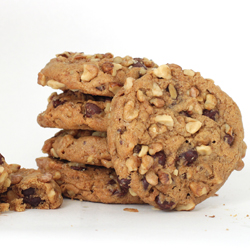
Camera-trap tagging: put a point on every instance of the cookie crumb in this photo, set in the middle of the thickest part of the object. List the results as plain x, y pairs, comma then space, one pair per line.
227, 229
216, 195
131, 210
212, 216
247, 215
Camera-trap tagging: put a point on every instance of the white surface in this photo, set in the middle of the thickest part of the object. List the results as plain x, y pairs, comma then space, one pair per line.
208, 36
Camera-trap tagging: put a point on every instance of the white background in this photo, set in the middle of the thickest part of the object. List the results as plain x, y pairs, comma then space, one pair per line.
211, 37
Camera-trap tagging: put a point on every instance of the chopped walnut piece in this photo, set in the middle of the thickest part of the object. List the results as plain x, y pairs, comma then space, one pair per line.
55, 85
199, 188
163, 71
165, 119
147, 163
116, 67
211, 102
129, 83
130, 113
159, 103
193, 126
188, 72
90, 71
172, 91
143, 151
190, 205
132, 163
114, 87
204, 150
152, 178
156, 90
140, 96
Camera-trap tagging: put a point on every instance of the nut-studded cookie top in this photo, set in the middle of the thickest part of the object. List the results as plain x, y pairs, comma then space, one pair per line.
99, 74
174, 137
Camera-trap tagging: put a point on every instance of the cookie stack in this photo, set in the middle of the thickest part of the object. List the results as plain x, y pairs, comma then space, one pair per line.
78, 155
133, 132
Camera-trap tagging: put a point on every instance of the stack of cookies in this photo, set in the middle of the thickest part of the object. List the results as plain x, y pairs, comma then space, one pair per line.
78, 155
133, 132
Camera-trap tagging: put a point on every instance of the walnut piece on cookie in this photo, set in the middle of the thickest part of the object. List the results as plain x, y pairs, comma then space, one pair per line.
172, 138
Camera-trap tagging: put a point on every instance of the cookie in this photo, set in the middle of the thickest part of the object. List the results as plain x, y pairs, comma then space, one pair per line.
87, 182
32, 189
82, 146
75, 110
5, 170
99, 74
174, 137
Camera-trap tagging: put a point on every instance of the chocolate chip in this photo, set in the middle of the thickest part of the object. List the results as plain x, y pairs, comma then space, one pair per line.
34, 202
145, 183
190, 156
1, 159
101, 88
210, 113
57, 103
139, 63
165, 205
124, 185
229, 139
78, 168
28, 192
92, 109
112, 182
137, 149
161, 157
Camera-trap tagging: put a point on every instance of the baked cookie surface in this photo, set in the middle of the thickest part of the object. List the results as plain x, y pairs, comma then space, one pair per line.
87, 182
174, 137
75, 110
82, 146
99, 74
32, 189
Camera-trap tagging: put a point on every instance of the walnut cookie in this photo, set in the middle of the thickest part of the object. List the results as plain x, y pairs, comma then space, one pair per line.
99, 74
174, 137
75, 110
82, 146
87, 182
31, 189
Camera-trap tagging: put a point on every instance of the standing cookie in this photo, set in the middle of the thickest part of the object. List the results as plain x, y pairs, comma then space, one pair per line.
174, 137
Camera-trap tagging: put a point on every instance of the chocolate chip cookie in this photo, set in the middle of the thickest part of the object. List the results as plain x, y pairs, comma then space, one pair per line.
99, 74
88, 182
75, 110
82, 146
174, 137
32, 189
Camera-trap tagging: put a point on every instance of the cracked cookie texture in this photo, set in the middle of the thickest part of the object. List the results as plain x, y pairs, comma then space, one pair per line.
87, 182
98, 74
174, 137
82, 146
